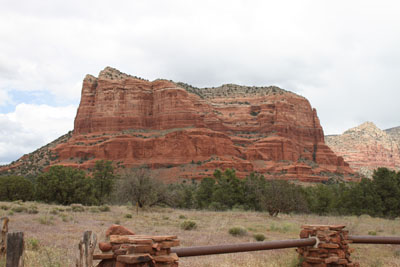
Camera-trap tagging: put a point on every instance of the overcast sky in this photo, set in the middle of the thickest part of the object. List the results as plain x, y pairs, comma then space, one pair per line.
344, 56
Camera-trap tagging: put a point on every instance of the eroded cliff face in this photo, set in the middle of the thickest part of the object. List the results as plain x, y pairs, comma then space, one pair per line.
366, 147
180, 131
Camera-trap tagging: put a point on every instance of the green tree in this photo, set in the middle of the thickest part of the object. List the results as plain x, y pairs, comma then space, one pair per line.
104, 179
254, 187
320, 199
65, 185
15, 188
386, 184
204, 193
228, 189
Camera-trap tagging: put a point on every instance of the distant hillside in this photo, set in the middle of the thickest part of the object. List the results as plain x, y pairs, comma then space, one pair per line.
36, 161
366, 147
394, 133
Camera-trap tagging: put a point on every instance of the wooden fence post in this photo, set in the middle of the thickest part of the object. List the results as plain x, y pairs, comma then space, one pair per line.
3, 237
86, 249
15, 249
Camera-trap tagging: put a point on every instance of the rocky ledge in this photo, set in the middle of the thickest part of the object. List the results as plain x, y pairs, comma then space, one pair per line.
183, 132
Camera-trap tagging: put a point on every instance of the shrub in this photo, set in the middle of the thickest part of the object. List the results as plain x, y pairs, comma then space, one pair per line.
188, 225
77, 207
33, 244
4, 207
104, 208
237, 231
65, 185
64, 217
19, 209
259, 237
46, 220
54, 211
32, 209
372, 233
284, 228
217, 206
15, 188
128, 216
182, 216
94, 209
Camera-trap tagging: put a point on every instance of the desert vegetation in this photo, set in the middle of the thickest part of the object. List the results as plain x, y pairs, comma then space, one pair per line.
52, 234
378, 197
55, 207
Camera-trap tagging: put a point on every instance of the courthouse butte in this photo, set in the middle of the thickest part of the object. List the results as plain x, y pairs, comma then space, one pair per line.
182, 132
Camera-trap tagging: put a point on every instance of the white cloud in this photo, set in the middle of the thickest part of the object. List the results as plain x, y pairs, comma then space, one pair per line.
32, 126
342, 55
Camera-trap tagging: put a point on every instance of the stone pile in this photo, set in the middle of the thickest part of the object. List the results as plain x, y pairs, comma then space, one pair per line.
331, 249
125, 249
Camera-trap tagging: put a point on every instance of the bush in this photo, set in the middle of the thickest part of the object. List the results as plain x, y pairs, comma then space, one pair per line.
64, 217
54, 211
104, 208
259, 237
94, 209
33, 244
19, 209
128, 216
77, 208
237, 231
372, 233
4, 207
65, 185
15, 188
32, 209
188, 225
46, 220
182, 216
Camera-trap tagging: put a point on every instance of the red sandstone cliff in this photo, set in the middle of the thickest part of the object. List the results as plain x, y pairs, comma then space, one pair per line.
185, 132
366, 147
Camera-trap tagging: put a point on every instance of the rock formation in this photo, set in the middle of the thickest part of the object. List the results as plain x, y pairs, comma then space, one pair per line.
394, 133
180, 131
366, 147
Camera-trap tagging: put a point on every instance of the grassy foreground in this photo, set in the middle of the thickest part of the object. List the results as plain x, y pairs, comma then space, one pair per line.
52, 232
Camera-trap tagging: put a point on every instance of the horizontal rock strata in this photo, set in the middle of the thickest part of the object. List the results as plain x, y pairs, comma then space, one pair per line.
366, 147
179, 131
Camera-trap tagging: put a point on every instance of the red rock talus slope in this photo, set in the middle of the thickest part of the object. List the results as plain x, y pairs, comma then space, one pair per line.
180, 131
366, 148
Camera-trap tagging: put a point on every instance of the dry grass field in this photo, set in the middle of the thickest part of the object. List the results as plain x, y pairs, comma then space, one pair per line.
52, 232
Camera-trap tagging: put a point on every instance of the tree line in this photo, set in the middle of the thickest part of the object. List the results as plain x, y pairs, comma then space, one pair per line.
62, 185
379, 196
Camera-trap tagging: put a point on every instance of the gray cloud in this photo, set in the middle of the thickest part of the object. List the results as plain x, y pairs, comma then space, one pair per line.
342, 55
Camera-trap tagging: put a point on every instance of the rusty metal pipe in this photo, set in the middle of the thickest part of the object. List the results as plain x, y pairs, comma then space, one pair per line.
242, 247
367, 239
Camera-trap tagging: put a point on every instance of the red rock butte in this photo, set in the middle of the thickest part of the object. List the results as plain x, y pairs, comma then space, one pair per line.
366, 148
183, 132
